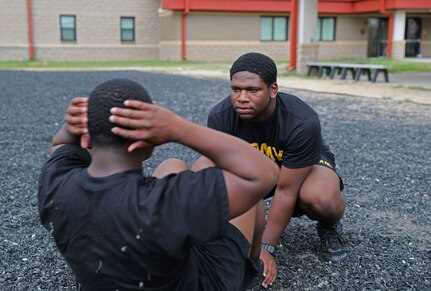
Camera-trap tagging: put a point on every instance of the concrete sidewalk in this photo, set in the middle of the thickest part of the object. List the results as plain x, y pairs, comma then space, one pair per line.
412, 80
411, 87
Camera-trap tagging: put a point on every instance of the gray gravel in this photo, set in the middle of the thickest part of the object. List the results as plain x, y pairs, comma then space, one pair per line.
383, 154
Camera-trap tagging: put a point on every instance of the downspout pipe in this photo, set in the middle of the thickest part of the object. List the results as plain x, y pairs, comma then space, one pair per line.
293, 35
384, 11
183, 29
30, 31
390, 35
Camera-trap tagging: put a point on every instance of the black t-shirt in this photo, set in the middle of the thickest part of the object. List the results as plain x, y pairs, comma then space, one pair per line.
127, 231
291, 136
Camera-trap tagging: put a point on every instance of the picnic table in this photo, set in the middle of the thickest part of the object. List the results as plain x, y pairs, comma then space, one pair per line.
356, 70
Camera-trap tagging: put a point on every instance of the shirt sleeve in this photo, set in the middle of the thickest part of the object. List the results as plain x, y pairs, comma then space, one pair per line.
304, 145
212, 121
220, 117
64, 159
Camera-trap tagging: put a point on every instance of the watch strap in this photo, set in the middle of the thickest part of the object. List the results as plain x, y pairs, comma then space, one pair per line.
269, 248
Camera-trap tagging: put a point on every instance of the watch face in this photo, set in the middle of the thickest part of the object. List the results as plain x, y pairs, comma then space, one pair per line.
270, 249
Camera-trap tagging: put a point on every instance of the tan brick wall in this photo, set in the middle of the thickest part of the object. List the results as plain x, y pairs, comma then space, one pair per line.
398, 49
342, 49
222, 50
13, 30
222, 27
217, 37
306, 53
351, 28
97, 52
426, 28
210, 36
204, 26
426, 49
97, 29
170, 26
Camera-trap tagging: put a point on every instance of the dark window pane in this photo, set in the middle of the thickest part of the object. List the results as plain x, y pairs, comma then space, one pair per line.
127, 25
266, 28
68, 27
273, 28
280, 28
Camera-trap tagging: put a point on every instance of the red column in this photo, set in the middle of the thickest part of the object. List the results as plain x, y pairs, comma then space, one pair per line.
293, 34
390, 26
30, 31
183, 29
390, 35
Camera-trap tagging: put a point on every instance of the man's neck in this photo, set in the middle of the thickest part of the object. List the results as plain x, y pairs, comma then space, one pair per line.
106, 162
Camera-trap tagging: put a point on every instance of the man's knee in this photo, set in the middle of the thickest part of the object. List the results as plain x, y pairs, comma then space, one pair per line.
202, 163
170, 166
323, 202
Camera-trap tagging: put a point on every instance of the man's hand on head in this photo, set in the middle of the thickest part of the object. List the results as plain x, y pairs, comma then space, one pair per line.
76, 119
75, 127
147, 124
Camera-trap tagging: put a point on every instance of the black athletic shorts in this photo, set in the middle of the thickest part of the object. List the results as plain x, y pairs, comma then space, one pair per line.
224, 263
327, 160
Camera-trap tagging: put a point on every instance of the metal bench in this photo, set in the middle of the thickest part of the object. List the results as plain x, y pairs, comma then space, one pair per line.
356, 69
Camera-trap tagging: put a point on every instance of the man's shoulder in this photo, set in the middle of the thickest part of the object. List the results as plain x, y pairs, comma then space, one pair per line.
290, 99
292, 104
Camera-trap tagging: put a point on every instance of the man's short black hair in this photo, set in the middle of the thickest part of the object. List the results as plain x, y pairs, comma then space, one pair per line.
256, 63
106, 95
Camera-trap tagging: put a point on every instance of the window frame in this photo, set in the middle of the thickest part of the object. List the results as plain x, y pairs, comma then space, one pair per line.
273, 30
127, 29
320, 19
63, 39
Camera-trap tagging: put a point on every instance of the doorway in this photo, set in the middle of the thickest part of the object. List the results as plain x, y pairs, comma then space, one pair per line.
377, 37
413, 36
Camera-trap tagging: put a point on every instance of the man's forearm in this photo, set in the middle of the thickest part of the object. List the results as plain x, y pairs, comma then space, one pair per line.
228, 152
64, 136
280, 213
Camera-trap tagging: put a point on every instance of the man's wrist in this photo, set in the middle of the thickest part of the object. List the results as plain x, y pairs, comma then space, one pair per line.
269, 248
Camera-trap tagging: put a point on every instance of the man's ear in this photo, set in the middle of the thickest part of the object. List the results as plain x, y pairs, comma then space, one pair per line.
273, 90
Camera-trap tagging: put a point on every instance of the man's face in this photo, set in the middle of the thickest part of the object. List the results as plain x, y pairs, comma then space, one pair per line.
251, 98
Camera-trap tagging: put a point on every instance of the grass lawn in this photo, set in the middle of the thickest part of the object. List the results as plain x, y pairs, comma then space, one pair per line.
396, 66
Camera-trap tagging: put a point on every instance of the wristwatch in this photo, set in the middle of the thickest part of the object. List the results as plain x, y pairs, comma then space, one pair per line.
269, 248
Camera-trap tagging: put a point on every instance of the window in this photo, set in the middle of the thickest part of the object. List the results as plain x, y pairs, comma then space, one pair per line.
127, 28
325, 29
273, 28
68, 27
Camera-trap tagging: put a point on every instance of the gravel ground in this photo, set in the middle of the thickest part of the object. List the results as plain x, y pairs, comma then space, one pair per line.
382, 148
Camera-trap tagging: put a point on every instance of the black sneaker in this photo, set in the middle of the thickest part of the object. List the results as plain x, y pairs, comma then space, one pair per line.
332, 244
256, 283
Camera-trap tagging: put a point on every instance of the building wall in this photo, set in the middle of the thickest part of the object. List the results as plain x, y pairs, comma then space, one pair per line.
351, 38
426, 37
351, 28
342, 49
398, 49
216, 37
97, 29
210, 36
426, 48
223, 27
13, 30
